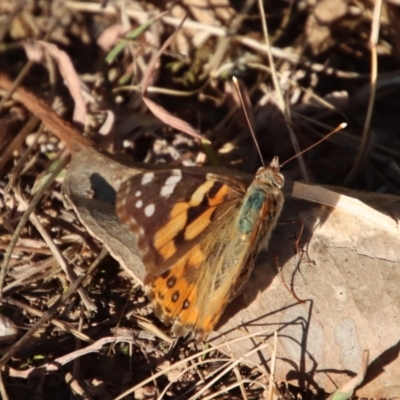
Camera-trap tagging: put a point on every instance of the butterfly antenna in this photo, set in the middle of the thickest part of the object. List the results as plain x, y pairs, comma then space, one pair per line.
250, 125
337, 129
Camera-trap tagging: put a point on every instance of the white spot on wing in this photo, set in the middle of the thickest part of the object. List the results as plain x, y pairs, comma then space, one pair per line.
138, 193
171, 182
149, 210
139, 204
147, 178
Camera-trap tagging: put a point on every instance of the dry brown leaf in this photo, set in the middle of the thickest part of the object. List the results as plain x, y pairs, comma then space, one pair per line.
68, 72
109, 37
34, 52
351, 301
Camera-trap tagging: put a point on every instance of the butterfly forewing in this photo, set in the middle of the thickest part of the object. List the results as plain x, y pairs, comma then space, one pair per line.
171, 209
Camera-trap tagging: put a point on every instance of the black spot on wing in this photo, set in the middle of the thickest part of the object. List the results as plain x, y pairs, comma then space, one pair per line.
194, 212
175, 296
165, 274
171, 282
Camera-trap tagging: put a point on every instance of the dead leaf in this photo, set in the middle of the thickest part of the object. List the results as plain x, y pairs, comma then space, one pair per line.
350, 301
109, 37
72, 80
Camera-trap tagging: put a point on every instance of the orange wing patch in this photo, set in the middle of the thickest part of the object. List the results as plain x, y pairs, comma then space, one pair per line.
174, 296
199, 224
164, 238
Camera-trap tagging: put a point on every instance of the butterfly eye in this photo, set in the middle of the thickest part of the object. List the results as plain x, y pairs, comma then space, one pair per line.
279, 181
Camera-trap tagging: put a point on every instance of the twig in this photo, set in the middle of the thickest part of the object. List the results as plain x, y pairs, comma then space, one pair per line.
374, 72
57, 255
216, 31
35, 201
194, 356
49, 313
59, 324
54, 365
3, 393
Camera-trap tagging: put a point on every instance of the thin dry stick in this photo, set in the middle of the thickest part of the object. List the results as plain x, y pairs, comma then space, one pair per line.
156, 109
57, 255
273, 363
59, 324
18, 140
21, 164
71, 137
56, 363
226, 389
258, 348
281, 101
35, 268
238, 377
187, 359
374, 72
225, 42
49, 313
35, 201
3, 393
225, 362
216, 31
76, 369
296, 85
27, 249
75, 387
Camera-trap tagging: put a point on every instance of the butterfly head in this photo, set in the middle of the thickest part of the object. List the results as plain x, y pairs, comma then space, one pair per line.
271, 174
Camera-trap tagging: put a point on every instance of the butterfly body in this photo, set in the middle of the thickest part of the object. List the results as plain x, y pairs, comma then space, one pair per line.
199, 233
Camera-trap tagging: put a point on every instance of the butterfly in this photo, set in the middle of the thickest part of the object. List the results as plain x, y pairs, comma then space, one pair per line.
199, 233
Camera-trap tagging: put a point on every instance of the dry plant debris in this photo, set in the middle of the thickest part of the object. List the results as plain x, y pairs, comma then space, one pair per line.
83, 324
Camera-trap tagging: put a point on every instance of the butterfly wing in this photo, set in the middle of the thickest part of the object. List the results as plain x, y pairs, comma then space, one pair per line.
227, 259
171, 210
199, 233
180, 217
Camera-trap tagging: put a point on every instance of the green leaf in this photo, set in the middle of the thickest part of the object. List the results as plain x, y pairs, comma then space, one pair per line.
113, 53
